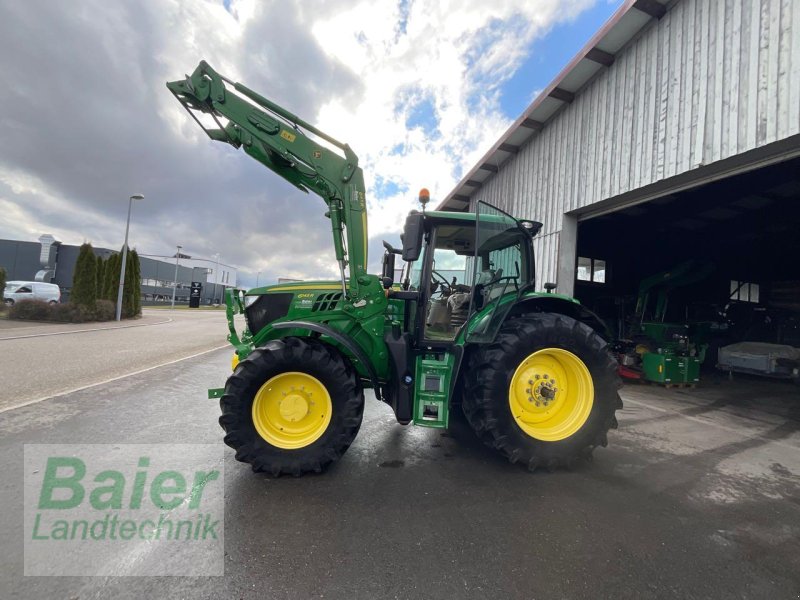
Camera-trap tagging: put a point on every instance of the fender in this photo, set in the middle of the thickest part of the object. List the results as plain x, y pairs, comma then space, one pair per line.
344, 340
570, 308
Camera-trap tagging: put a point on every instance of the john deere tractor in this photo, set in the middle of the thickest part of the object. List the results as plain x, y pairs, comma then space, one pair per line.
461, 326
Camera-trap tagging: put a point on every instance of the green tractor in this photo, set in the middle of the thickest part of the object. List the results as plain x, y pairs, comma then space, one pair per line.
462, 326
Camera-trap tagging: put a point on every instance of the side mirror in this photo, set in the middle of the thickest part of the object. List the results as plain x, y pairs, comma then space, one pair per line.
388, 266
412, 236
390, 248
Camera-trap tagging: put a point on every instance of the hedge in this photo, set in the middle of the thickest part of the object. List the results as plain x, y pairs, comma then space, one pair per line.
38, 310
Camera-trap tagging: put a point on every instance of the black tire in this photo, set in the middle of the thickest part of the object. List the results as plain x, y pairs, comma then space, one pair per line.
305, 355
491, 367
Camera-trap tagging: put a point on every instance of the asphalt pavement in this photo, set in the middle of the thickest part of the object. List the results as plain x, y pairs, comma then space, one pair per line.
697, 496
42, 359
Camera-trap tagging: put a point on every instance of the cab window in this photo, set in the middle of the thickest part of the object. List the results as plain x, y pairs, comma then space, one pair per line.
449, 290
415, 275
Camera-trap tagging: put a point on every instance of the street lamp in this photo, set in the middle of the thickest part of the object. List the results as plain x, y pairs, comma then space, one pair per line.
216, 276
125, 256
258, 276
175, 281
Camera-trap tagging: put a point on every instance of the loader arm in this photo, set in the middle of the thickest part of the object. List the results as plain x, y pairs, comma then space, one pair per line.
279, 140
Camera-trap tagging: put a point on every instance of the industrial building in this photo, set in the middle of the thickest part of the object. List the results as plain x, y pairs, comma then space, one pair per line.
671, 140
50, 261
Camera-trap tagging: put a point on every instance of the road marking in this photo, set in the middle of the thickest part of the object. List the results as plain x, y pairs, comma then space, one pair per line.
33, 335
91, 385
741, 432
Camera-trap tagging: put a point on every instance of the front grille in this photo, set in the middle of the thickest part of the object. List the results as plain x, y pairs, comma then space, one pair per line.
266, 309
326, 301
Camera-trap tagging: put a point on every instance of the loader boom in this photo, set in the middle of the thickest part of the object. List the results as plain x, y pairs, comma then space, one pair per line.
280, 141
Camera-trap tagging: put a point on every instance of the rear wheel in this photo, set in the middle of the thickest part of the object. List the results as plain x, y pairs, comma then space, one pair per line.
544, 392
292, 406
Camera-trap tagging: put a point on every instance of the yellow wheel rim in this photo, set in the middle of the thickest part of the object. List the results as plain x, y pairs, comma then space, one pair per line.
292, 410
551, 394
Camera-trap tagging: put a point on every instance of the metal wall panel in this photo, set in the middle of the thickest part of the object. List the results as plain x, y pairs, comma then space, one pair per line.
546, 249
711, 79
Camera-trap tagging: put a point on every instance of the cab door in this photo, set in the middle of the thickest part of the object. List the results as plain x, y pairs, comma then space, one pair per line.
503, 265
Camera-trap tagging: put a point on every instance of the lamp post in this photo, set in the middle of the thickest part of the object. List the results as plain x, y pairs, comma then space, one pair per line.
175, 280
216, 276
258, 276
125, 256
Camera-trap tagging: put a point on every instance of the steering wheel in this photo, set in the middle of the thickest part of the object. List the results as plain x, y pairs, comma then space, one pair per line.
440, 280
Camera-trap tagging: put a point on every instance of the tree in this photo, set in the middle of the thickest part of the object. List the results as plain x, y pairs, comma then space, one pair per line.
127, 292
84, 281
2, 279
111, 278
137, 284
100, 279
132, 292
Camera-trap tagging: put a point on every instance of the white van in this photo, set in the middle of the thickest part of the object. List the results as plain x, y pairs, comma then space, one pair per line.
31, 290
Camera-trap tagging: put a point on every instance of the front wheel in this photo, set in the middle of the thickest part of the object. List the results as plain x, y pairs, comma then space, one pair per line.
292, 406
544, 392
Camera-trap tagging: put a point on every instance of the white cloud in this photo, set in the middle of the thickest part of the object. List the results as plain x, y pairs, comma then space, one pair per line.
454, 56
87, 119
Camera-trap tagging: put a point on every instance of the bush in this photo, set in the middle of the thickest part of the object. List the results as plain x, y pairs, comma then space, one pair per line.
71, 313
105, 310
37, 310
2, 279
30, 310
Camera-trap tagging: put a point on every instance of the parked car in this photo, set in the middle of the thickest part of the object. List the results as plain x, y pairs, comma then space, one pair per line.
31, 290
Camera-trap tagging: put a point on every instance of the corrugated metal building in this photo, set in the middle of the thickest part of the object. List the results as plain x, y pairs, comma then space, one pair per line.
673, 134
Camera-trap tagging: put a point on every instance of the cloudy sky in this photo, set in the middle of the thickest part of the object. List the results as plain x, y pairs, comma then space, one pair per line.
420, 89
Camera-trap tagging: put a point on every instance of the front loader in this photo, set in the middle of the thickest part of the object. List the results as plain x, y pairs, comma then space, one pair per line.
462, 327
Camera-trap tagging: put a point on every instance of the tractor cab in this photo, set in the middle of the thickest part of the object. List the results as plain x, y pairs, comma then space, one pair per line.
456, 265
461, 274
